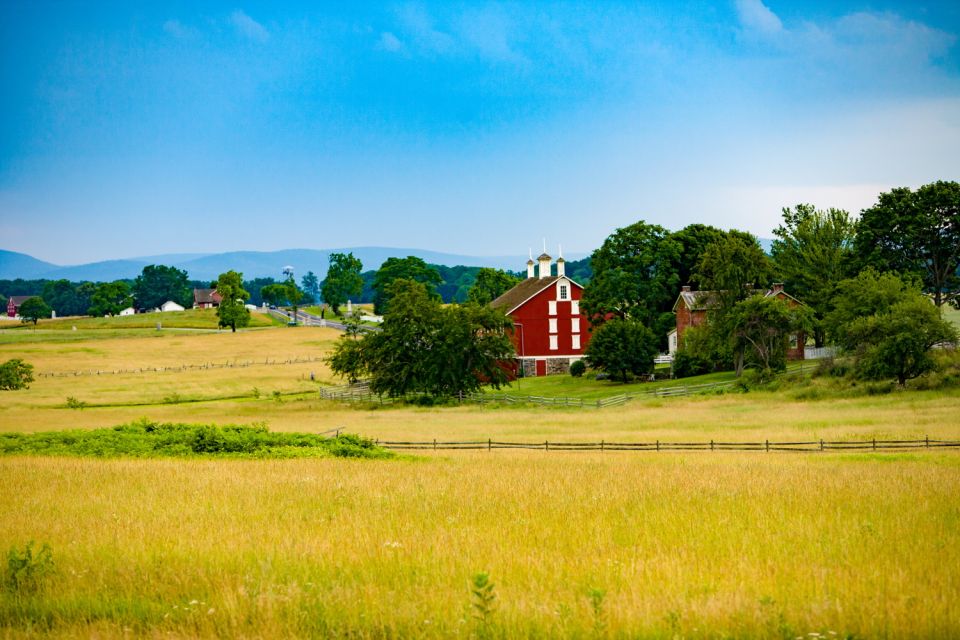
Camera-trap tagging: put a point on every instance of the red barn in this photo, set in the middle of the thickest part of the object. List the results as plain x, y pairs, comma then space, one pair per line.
206, 298
13, 304
549, 332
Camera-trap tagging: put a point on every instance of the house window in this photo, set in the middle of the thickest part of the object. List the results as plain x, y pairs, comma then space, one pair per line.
575, 325
553, 343
552, 307
793, 341
576, 341
575, 307
564, 292
553, 325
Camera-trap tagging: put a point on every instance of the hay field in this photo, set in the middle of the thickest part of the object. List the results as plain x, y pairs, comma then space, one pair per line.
670, 545
681, 546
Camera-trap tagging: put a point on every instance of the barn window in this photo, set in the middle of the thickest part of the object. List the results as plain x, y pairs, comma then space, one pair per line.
552, 307
575, 325
553, 343
564, 292
576, 341
575, 307
553, 325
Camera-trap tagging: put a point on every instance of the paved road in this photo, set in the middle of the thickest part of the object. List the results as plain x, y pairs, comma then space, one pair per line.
310, 320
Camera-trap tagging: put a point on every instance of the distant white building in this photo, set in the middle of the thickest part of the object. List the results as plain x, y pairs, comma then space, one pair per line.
170, 305
129, 311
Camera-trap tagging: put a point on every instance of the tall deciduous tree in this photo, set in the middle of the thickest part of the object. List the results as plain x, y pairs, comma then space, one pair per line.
294, 295
762, 327
869, 293
622, 347
427, 348
110, 298
694, 240
635, 276
66, 298
916, 233
34, 309
409, 268
274, 294
489, 285
158, 283
15, 374
232, 311
343, 281
813, 252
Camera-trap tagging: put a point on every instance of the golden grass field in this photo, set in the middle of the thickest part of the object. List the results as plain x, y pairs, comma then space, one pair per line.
710, 545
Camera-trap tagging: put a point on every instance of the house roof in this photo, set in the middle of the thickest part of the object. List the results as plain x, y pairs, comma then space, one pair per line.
524, 290
206, 296
702, 300
18, 300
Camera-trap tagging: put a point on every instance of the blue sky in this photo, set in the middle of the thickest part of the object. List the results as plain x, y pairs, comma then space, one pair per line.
478, 128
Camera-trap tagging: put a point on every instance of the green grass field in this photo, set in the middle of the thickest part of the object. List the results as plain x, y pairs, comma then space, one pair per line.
661, 545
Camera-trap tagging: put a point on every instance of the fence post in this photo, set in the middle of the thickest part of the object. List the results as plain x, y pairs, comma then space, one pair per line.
489, 444
928, 441
601, 445
768, 445
821, 444
874, 444
658, 445
434, 444
546, 445
711, 444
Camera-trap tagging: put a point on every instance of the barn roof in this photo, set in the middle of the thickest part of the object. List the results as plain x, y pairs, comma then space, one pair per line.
525, 290
18, 300
206, 296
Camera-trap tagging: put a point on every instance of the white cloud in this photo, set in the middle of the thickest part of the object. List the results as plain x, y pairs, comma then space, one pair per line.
248, 27
420, 26
757, 17
390, 42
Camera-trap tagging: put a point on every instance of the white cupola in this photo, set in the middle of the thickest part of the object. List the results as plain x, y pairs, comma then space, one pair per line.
530, 264
561, 263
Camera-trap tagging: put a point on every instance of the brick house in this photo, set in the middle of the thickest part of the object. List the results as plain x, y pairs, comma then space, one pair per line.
691, 310
13, 304
206, 298
550, 332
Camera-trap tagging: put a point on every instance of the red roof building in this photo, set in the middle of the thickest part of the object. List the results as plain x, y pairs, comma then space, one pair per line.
550, 332
206, 298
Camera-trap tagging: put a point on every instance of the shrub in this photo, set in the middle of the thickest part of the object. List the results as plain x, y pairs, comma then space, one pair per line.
26, 570
577, 368
686, 364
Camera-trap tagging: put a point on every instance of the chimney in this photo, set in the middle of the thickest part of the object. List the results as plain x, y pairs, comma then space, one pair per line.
560, 262
685, 288
530, 264
544, 261
777, 287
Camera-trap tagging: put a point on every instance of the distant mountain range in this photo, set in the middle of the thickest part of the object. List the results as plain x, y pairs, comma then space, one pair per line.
253, 264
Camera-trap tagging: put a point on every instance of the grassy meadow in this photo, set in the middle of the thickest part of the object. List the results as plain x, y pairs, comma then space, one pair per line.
662, 545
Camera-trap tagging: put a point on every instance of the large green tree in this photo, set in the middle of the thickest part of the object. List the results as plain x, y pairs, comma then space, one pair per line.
343, 281
409, 268
694, 240
158, 283
34, 309
812, 253
232, 311
761, 329
274, 294
915, 233
621, 348
635, 276
869, 293
423, 347
110, 298
490, 284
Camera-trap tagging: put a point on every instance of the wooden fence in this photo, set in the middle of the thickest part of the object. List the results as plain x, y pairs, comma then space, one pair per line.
657, 445
182, 367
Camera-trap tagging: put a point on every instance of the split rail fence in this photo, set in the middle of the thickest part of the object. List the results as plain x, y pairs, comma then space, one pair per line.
235, 364
657, 445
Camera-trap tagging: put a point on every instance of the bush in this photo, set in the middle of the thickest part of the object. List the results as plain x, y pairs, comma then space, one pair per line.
26, 570
577, 368
15, 374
